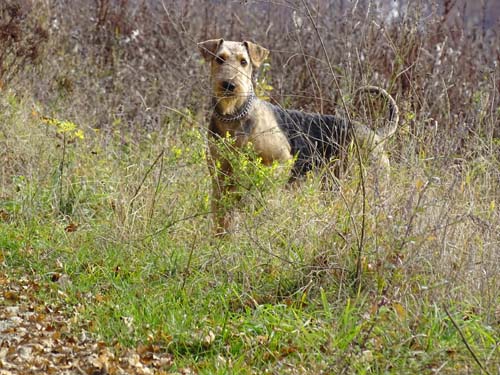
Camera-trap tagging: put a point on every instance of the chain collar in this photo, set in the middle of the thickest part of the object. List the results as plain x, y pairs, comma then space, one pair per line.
241, 114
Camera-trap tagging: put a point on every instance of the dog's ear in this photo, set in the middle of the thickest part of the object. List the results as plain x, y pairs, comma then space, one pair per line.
209, 47
257, 53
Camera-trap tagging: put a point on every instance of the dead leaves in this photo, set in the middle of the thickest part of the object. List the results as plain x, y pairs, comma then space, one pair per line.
4, 216
71, 227
36, 339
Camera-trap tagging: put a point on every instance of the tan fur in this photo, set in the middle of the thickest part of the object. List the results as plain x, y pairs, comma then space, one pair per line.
232, 70
268, 142
267, 138
232, 63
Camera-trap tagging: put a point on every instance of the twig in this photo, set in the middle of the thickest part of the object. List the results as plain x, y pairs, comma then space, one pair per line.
172, 223
61, 174
361, 237
465, 342
153, 203
409, 227
138, 189
188, 265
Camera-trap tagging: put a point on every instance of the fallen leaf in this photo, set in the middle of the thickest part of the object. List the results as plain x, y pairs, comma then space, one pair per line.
71, 227
10, 295
4, 215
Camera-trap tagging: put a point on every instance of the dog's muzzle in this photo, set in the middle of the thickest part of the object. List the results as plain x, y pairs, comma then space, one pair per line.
228, 86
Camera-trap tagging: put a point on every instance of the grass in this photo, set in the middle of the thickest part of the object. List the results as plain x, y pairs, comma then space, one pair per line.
116, 229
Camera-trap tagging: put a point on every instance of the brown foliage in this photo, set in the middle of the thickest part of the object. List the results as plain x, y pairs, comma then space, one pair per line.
40, 338
21, 38
133, 60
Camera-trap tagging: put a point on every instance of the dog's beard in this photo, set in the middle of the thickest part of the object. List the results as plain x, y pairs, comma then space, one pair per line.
229, 102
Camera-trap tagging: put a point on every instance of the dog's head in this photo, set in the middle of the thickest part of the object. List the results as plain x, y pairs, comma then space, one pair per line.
232, 65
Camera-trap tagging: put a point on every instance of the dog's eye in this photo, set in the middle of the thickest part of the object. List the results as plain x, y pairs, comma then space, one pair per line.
244, 62
219, 60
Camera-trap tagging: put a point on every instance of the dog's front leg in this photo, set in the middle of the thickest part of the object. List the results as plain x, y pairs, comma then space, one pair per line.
223, 191
221, 211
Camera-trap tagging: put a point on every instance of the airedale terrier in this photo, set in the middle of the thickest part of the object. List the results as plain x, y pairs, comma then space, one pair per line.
276, 134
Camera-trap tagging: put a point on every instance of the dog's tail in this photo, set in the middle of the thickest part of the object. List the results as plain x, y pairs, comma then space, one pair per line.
392, 124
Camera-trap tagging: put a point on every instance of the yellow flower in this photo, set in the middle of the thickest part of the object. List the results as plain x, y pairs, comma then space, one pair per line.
66, 126
79, 134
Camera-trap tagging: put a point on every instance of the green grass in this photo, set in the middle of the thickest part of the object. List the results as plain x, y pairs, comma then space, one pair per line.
126, 221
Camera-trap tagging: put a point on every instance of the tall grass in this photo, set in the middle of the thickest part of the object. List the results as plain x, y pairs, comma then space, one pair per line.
103, 179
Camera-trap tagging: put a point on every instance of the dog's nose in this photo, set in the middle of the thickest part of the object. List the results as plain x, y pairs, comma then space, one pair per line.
228, 86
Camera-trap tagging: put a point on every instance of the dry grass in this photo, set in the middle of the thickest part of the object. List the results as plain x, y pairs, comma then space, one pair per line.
311, 280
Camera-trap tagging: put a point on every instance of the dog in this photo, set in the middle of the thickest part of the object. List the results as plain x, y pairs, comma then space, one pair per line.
308, 140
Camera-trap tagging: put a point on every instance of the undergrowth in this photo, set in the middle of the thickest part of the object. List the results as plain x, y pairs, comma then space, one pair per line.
122, 238
105, 194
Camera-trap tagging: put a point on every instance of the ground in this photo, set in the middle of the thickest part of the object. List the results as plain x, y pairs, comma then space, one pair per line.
41, 338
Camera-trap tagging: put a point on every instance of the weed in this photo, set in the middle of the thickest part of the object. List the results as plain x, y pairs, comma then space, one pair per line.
115, 203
